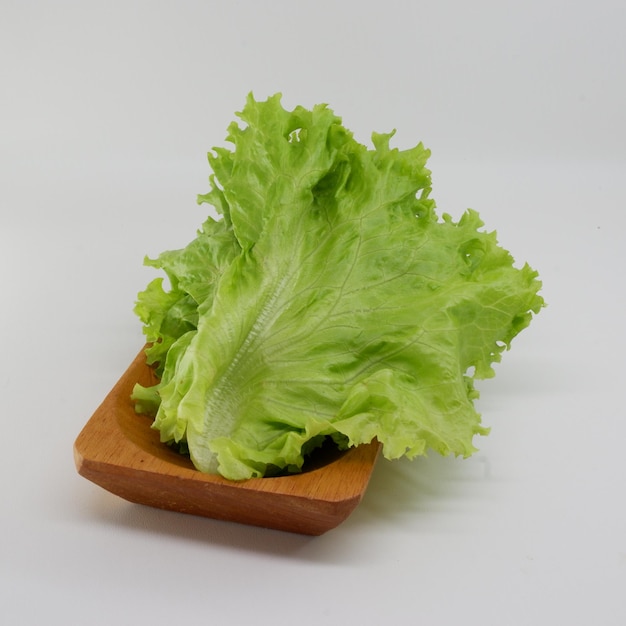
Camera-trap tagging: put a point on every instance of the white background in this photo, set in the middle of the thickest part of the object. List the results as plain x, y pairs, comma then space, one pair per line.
107, 111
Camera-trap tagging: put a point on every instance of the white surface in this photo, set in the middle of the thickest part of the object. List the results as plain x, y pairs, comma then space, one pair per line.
107, 111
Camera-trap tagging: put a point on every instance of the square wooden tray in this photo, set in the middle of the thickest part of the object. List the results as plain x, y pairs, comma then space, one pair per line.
119, 451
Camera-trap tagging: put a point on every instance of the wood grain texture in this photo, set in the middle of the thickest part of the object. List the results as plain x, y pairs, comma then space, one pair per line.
119, 451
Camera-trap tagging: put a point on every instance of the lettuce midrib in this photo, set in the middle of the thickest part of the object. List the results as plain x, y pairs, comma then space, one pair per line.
248, 370
221, 401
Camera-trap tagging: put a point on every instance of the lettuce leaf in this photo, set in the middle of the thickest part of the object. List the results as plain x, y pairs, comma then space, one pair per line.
327, 300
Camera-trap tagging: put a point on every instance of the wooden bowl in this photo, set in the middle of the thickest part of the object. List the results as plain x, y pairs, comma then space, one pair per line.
119, 451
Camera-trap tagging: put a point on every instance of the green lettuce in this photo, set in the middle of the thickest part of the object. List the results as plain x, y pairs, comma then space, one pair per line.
328, 300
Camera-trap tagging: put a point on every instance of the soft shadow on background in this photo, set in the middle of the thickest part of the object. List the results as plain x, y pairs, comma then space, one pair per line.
398, 491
